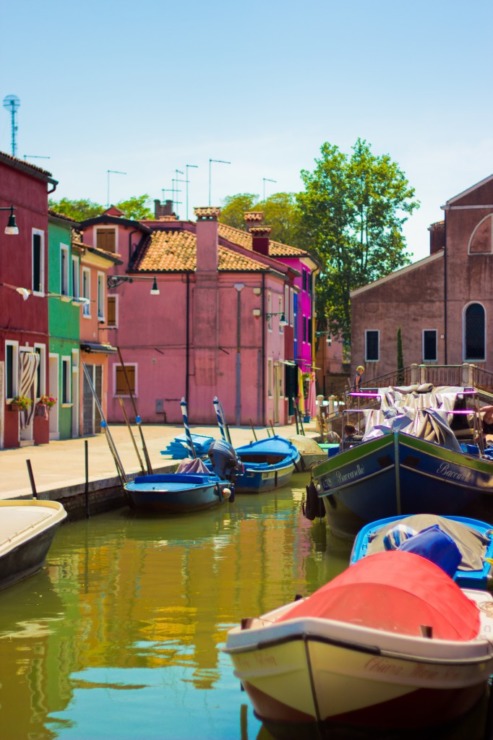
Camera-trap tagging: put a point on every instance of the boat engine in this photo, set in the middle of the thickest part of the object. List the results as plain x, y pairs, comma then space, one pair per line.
224, 460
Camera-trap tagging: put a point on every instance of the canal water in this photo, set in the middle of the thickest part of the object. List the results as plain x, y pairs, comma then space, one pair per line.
120, 635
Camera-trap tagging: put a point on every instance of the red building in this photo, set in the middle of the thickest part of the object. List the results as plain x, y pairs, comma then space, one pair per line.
441, 306
23, 304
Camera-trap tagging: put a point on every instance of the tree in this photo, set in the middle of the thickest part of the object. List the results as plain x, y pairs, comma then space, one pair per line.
135, 208
281, 214
79, 210
353, 209
234, 208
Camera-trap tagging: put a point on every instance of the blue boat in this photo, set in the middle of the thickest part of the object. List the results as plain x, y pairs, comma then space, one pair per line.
268, 464
461, 544
413, 463
192, 488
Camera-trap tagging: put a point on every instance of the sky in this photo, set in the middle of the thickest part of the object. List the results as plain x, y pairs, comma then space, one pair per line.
146, 88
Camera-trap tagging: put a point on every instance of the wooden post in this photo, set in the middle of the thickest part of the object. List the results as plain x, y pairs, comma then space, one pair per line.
31, 478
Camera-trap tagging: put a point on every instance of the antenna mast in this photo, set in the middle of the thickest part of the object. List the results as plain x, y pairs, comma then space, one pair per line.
12, 103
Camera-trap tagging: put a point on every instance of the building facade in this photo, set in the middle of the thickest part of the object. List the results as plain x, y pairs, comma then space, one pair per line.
439, 309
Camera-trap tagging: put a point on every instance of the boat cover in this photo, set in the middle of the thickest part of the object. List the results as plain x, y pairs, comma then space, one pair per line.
394, 591
422, 411
471, 543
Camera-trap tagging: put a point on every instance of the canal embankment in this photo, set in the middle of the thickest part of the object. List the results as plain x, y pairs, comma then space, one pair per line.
82, 474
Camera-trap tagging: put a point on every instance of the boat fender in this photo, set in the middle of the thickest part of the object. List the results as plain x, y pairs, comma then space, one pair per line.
313, 506
226, 493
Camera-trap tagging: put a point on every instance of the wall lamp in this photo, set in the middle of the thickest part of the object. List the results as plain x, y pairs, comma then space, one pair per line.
114, 281
326, 334
11, 228
282, 320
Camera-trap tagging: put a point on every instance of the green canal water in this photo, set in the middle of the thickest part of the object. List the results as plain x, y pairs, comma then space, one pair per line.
120, 635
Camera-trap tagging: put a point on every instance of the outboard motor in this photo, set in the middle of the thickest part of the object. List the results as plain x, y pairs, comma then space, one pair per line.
224, 460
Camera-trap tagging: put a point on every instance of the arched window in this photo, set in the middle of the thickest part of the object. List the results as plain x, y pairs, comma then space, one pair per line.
474, 332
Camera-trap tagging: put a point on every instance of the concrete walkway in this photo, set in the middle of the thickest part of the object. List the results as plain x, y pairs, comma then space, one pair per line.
60, 465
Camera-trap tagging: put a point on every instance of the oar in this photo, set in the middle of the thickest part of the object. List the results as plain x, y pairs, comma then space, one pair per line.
296, 416
188, 434
253, 430
221, 420
138, 419
219, 417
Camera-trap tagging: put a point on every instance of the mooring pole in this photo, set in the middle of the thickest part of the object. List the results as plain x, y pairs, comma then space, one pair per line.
31, 478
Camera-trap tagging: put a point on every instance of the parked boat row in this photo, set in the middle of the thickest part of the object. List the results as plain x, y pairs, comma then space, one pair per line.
404, 636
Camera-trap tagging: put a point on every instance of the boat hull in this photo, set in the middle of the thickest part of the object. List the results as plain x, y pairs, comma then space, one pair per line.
176, 493
310, 672
398, 474
268, 464
27, 529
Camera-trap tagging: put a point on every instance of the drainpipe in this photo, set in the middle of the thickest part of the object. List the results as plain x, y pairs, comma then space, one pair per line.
262, 379
239, 287
134, 231
445, 290
187, 339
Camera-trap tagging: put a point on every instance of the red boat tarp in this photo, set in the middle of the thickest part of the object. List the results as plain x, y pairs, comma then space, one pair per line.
397, 592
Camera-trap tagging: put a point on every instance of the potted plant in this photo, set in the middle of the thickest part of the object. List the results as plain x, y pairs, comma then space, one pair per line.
47, 401
20, 403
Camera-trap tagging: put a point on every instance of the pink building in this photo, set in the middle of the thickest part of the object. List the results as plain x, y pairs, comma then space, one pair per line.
198, 310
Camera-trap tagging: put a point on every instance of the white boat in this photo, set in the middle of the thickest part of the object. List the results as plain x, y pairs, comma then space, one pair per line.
27, 529
391, 642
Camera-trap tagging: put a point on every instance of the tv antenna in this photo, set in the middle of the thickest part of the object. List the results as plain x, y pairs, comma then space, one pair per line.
12, 103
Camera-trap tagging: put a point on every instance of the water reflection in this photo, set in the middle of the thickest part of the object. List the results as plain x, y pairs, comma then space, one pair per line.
120, 635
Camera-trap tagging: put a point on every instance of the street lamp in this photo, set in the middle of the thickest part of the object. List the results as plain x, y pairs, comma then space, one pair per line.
114, 281
11, 229
282, 320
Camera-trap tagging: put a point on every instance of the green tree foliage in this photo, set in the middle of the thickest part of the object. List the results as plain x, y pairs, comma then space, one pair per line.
353, 209
234, 208
135, 208
281, 214
79, 210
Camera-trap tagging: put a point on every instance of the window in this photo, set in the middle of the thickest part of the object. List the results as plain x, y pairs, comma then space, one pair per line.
101, 295
111, 308
429, 345
269, 378
86, 291
372, 345
75, 278
106, 239
66, 380
474, 332
64, 271
38, 261
11, 369
125, 380
481, 238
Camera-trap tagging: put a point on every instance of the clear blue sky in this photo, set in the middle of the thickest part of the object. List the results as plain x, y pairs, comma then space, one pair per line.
148, 87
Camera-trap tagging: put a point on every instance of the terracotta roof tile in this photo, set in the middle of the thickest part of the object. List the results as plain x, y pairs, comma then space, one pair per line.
175, 251
244, 239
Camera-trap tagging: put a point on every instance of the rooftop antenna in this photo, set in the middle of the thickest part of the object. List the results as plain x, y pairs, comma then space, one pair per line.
108, 173
12, 103
264, 180
187, 167
220, 161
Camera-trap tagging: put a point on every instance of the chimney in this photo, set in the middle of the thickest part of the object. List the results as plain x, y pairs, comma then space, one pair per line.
206, 231
163, 209
437, 236
260, 234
